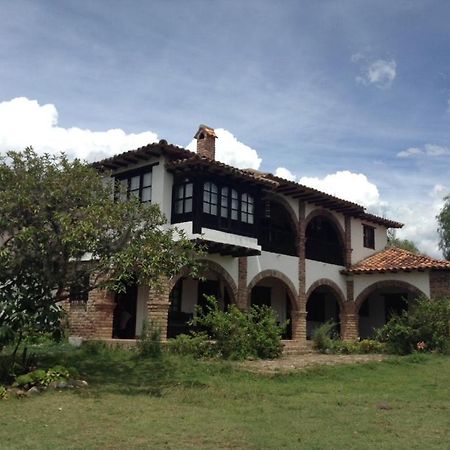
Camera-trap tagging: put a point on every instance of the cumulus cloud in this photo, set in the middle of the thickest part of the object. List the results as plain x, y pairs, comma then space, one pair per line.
427, 150
231, 151
347, 185
24, 122
380, 73
420, 221
282, 172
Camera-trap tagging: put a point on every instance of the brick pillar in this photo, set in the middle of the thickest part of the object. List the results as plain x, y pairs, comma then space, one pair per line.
439, 284
348, 241
349, 316
158, 306
299, 323
102, 310
242, 297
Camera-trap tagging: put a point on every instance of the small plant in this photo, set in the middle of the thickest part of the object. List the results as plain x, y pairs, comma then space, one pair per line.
3, 393
41, 378
322, 337
149, 344
198, 345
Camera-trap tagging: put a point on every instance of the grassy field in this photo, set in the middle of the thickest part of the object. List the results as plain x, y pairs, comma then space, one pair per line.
178, 403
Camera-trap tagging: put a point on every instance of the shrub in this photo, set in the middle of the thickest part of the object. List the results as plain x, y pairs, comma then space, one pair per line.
322, 337
239, 334
3, 393
149, 343
198, 345
41, 378
425, 327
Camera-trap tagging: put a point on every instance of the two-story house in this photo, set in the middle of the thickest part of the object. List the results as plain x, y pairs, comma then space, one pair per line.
309, 255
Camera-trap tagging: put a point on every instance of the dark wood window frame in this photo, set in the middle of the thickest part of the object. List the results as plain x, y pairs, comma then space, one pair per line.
138, 182
369, 236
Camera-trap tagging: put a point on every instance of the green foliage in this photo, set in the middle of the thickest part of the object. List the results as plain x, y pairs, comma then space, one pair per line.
149, 343
55, 211
239, 334
323, 335
199, 345
443, 219
405, 244
425, 327
42, 378
3, 393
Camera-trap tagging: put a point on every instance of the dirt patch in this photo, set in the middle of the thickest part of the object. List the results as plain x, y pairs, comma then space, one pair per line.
298, 362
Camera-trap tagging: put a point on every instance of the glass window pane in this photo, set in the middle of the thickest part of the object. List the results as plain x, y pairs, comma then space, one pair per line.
206, 208
214, 198
146, 194
251, 208
234, 194
214, 210
250, 218
179, 207
244, 197
234, 214
188, 205
207, 186
234, 204
180, 192
147, 179
188, 190
206, 196
224, 212
134, 193
224, 192
135, 182
214, 188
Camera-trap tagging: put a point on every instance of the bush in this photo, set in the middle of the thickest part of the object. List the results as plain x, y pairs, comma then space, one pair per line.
41, 378
322, 337
149, 343
425, 327
198, 345
3, 393
239, 334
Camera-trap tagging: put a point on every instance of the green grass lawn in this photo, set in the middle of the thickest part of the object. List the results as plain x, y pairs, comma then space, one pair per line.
178, 403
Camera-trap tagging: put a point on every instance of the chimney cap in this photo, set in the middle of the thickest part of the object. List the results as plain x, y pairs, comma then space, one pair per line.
208, 131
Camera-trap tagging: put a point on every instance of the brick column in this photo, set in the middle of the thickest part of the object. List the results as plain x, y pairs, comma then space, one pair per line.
242, 296
349, 316
348, 241
299, 322
158, 304
439, 284
103, 305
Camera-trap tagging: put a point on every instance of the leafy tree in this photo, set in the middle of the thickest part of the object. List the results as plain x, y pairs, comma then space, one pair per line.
443, 219
405, 244
60, 225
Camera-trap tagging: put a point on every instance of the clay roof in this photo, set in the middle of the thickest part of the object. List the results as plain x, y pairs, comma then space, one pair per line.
395, 259
181, 160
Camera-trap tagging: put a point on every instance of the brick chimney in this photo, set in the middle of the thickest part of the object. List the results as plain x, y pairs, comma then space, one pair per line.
206, 142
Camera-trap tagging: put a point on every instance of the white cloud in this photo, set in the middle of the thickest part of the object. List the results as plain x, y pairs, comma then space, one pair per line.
347, 185
24, 122
427, 150
420, 221
231, 151
380, 73
282, 172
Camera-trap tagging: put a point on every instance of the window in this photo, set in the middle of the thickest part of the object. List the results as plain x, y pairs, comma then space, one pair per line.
369, 236
183, 198
79, 290
138, 185
247, 208
224, 202
210, 198
234, 205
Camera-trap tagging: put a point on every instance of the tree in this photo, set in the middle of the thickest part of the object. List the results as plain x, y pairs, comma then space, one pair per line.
61, 228
443, 219
405, 244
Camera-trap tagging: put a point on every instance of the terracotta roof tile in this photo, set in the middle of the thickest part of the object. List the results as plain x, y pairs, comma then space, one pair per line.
396, 260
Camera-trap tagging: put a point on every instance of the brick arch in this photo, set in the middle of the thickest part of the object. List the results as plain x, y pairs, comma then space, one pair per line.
331, 217
213, 267
292, 292
333, 287
369, 290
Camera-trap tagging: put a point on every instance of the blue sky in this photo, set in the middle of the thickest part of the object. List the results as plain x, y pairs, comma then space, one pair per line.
335, 88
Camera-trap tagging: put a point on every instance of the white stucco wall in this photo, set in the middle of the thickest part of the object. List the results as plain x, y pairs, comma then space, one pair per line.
359, 251
316, 270
418, 279
229, 263
277, 297
288, 265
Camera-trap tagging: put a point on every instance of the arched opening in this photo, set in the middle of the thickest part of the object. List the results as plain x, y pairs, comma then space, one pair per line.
324, 241
322, 306
278, 232
275, 293
380, 302
188, 293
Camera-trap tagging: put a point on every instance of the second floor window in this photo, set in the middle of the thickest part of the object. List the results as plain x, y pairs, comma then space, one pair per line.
247, 209
183, 198
210, 198
369, 236
137, 184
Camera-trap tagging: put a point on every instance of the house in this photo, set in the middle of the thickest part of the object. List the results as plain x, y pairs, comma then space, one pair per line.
309, 255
